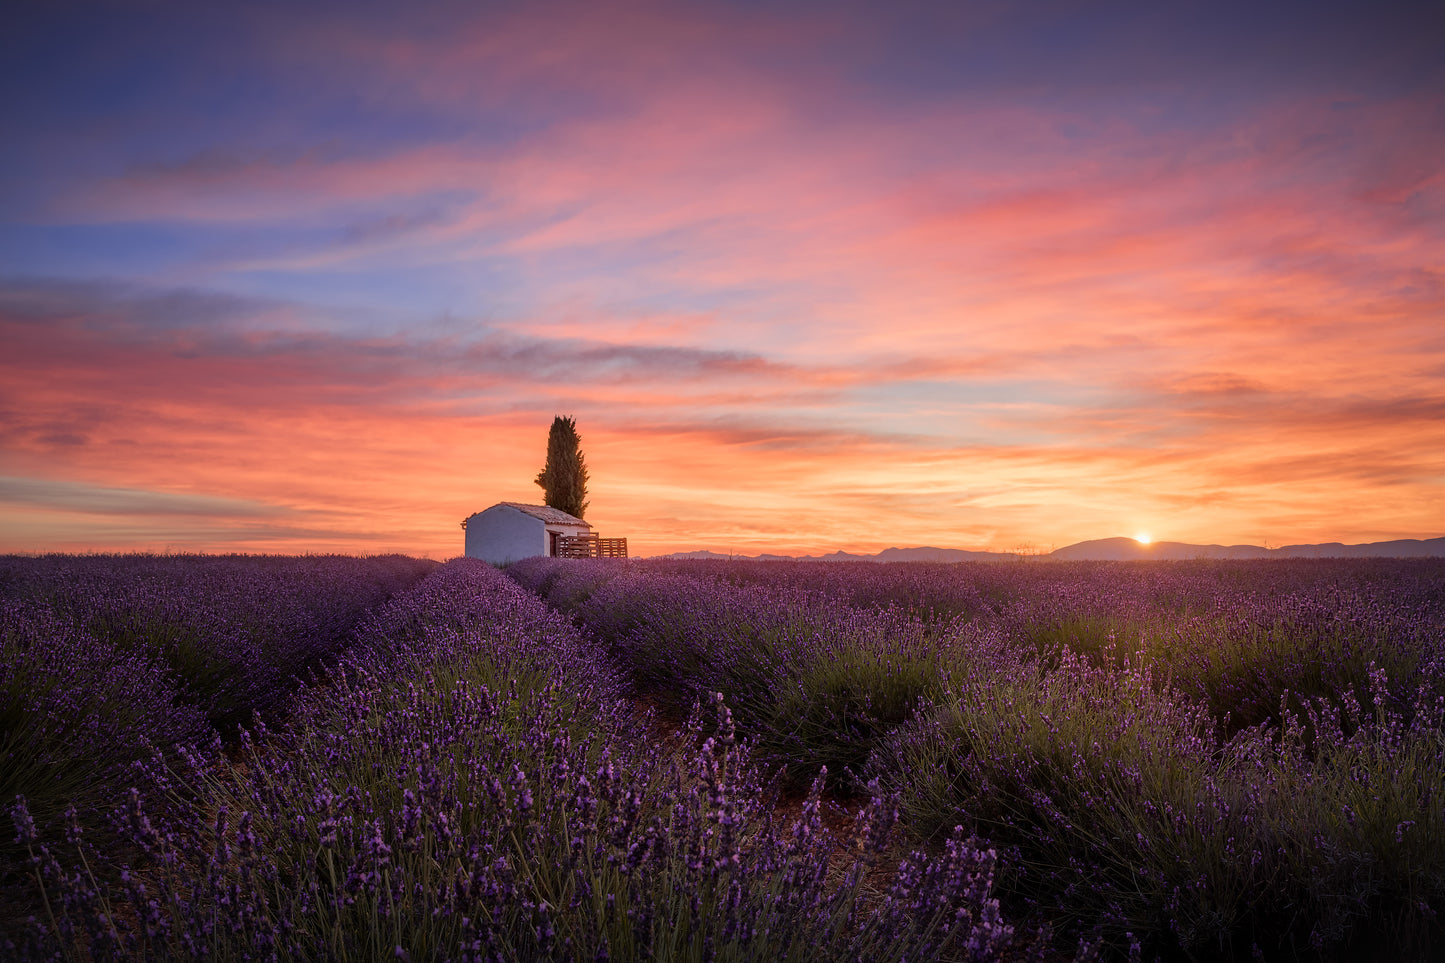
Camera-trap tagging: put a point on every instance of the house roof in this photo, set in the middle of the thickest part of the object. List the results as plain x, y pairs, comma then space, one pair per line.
548, 514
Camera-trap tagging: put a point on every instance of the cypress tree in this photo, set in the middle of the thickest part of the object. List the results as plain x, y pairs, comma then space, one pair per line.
564, 477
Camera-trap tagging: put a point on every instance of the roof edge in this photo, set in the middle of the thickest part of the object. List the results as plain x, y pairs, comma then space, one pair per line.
544, 513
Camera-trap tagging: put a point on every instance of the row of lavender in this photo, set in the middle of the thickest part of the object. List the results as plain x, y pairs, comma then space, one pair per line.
102, 656
1218, 758
467, 784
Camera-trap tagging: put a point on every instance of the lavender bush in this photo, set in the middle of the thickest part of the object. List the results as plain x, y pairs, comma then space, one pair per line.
1196, 760
815, 684
233, 630
1211, 759
1125, 809
76, 712
400, 816
105, 658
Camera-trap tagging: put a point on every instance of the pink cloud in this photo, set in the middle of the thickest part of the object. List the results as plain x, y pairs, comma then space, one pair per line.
759, 307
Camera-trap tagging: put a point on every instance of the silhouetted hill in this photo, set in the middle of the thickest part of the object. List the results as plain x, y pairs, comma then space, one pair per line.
939, 555
1399, 548
1120, 549
1126, 548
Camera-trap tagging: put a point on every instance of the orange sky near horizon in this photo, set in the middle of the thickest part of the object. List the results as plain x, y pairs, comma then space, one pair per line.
807, 283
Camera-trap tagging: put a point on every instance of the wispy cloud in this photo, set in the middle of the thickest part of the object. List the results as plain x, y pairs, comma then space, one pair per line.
101, 500
943, 272
334, 426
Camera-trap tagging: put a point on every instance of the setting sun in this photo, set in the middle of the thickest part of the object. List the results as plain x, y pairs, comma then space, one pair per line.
1143, 538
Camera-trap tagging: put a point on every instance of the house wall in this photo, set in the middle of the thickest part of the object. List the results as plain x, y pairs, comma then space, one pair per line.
502, 534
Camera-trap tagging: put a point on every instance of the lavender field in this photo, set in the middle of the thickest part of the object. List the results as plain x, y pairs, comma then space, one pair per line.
365, 759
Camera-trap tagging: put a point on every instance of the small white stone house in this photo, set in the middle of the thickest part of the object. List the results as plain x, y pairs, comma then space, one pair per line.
509, 531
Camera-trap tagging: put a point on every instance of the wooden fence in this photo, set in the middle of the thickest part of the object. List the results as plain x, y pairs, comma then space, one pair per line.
591, 546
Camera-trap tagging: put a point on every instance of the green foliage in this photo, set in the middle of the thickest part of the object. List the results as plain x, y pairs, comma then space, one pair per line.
564, 477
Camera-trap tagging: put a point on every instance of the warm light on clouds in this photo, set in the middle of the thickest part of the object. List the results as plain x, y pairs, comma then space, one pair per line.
808, 279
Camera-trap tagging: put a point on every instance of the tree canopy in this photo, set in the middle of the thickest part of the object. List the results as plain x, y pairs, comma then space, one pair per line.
564, 477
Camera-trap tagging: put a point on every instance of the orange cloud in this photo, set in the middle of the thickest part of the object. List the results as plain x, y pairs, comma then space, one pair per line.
791, 313
296, 442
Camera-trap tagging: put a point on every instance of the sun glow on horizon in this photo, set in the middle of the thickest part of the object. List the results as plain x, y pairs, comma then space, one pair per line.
1143, 538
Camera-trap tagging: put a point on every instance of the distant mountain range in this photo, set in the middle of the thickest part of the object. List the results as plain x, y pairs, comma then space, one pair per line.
1120, 549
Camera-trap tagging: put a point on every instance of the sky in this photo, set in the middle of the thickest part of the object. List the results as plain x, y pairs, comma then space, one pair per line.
281, 277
